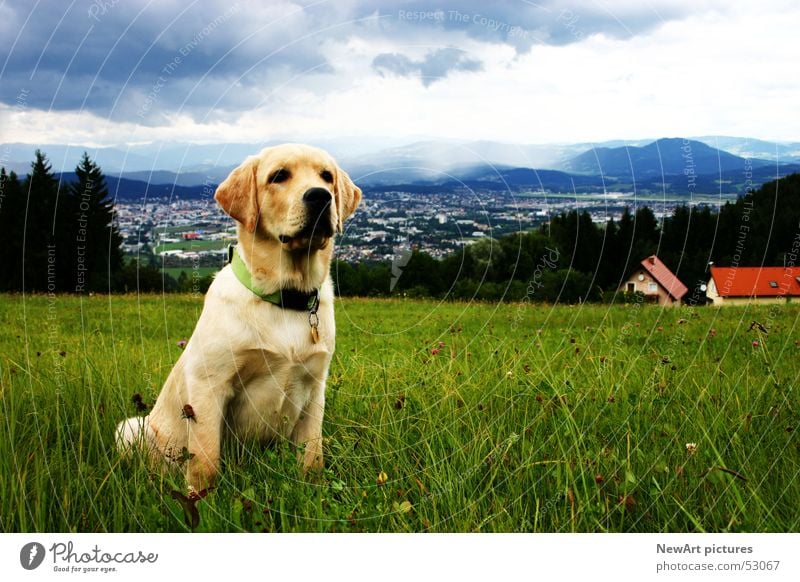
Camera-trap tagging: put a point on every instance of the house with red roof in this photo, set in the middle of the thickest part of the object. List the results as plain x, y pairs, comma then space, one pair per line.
656, 282
740, 285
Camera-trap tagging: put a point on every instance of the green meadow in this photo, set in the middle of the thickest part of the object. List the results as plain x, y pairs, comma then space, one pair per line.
444, 417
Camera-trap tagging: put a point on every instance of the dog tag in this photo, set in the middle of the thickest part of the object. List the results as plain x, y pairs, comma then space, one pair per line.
313, 321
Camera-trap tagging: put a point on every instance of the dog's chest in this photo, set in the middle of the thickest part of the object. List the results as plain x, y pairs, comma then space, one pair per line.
272, 396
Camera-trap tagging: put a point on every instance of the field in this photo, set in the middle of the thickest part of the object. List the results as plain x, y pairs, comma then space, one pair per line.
440, 417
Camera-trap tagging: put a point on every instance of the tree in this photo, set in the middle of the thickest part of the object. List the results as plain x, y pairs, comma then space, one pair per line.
98, 252
421, 273
41, 264
647, 233
12, 208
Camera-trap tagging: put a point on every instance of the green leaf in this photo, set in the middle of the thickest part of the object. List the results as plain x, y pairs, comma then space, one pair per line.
403, 507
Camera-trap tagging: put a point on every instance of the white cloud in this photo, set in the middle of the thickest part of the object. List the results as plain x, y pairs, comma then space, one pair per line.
715, 72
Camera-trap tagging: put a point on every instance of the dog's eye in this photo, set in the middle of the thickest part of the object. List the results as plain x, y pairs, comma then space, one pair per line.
327, 176
279, 176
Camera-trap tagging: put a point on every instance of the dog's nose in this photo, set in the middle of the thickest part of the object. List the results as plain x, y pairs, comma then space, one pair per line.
317, 197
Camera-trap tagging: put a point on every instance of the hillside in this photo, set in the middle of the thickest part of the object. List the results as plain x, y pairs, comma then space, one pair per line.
729, 183
667, 156
667, 166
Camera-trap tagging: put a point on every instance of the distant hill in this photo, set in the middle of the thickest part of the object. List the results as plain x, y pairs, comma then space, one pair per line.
210, 176
386, 161
428, 167
126, 189
749, 147
486, 178
666, 156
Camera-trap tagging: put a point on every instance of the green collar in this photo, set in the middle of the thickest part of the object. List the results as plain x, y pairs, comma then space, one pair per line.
285, 298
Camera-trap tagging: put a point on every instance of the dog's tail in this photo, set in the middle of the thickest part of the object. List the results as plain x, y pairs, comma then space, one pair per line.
131, 433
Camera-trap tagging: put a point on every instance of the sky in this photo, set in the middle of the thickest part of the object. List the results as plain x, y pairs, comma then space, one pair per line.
115, 72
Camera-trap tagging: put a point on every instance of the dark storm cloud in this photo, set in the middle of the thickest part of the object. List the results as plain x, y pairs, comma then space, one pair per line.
125, 59
138, 60
436, 65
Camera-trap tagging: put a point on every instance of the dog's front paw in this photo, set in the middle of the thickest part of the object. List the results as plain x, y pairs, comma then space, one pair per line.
312, 460
200, 475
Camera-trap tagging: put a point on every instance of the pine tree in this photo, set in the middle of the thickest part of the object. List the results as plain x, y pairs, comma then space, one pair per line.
12, 208
98, 251
38, 220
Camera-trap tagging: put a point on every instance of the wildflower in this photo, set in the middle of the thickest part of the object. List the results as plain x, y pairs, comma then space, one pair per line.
509, 374
382, 478
755, 343
181, 344
691, 448
435, 351
629, 501
712, 332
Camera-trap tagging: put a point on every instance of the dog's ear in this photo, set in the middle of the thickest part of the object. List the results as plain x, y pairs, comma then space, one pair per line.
238, 194
348, 197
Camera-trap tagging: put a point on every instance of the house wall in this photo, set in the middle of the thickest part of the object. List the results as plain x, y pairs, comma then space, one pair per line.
752, 300
713, 294
658, 295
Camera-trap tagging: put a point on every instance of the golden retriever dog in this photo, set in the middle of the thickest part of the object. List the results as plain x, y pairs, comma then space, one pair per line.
256, 365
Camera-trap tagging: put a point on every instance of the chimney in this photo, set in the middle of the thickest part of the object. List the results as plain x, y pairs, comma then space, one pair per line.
652, 259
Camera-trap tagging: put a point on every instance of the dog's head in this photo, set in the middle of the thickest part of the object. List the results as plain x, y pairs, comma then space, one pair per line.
293, 193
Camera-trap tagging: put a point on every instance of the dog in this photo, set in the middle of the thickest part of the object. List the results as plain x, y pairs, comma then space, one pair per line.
256, 364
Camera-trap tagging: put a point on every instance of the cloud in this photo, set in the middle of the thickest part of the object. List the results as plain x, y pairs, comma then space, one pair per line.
524, 23
113, 71
435, 66
118, 58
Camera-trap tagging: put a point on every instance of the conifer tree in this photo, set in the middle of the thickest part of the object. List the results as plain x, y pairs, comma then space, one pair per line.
12, 208
98, 252
38, 232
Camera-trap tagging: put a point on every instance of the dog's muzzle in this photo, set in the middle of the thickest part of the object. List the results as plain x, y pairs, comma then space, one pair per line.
318, 228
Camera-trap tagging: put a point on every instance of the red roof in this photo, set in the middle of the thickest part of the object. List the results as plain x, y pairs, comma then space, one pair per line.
665, 277
756, 281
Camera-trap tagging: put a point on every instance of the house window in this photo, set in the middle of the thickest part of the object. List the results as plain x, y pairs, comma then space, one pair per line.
773, 284
630, 287
652, 288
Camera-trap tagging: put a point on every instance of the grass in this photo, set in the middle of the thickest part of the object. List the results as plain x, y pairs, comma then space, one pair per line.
440, 417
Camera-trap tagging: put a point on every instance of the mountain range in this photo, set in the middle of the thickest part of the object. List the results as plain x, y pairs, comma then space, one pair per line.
668, 165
